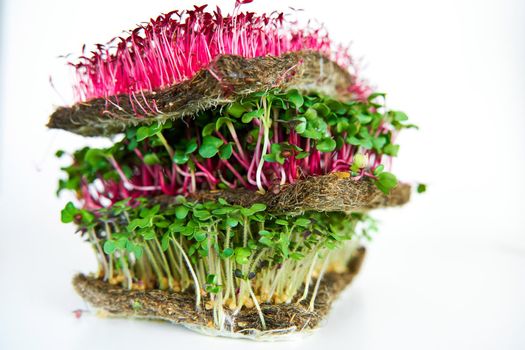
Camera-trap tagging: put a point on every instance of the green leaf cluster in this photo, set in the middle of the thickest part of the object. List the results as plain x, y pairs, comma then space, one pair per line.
233, 231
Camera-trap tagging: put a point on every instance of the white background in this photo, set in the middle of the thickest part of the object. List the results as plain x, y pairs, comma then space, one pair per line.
447, 271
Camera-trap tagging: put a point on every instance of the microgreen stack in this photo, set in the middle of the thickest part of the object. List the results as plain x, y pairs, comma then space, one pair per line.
142, 201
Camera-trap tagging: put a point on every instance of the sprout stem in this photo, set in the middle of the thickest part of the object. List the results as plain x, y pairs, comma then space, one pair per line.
193, 275
266, 125
318, 283
257, 306
308, 279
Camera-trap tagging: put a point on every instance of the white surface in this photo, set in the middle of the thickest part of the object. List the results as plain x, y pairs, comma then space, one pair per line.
446, 271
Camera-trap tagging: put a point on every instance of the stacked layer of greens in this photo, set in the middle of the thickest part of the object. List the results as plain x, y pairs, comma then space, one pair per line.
261, 142
228, 255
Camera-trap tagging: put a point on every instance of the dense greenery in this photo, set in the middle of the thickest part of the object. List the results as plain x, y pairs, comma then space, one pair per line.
232, 255
260, 143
